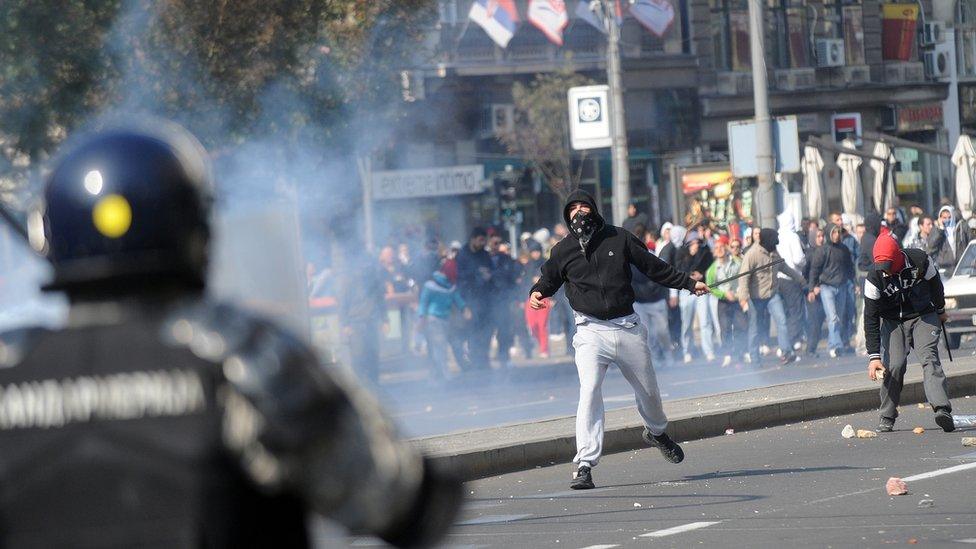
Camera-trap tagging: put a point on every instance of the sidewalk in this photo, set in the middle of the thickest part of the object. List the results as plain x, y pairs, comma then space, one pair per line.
499, 450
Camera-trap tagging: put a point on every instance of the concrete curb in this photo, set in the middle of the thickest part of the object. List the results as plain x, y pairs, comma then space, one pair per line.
506, 449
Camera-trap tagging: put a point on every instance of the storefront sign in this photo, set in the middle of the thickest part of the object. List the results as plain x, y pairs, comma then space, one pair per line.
846, 125
920, 117
898, 31
695, 181
428, 182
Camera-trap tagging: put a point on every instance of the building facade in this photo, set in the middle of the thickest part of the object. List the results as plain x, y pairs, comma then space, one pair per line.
826, 62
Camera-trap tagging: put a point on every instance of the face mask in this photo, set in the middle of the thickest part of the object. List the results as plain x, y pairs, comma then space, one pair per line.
583, 225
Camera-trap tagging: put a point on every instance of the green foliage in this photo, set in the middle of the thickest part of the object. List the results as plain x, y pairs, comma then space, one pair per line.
541, 132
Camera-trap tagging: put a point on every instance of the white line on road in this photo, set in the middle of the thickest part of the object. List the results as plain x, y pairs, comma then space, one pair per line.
678, 529
601, 546
492, 519
967, 540
940, 472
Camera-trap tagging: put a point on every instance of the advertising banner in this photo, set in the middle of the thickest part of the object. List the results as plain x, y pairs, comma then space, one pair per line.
899, 23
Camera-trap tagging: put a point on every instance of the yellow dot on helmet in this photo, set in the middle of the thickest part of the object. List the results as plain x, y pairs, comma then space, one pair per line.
112, 216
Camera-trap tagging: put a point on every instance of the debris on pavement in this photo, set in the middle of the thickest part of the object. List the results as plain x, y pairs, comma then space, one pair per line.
730, 431
921, 405
637, 505
848, 431
864, 433
926, 503
969, 441
896, 487
918, 430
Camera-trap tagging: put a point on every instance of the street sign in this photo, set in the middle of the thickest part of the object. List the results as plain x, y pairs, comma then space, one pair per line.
742, 146
426, 182
589, 117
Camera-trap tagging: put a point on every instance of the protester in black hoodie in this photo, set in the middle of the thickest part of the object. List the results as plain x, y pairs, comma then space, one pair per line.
594, 264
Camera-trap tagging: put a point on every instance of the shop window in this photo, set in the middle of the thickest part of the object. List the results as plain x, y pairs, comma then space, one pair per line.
966, 37
788, 27
845, 19
730, 34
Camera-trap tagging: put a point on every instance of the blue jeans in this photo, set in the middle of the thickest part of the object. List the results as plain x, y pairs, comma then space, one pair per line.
835, 301
759, 312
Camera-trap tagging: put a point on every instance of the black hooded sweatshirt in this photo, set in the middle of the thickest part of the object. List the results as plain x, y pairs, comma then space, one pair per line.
598, 278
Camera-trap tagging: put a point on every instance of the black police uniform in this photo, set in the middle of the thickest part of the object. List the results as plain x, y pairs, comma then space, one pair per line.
156, 418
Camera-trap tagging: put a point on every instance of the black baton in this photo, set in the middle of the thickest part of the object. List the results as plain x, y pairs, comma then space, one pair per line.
750, 271
945, 335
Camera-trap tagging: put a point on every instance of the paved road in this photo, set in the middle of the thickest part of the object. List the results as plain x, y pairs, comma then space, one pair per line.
543, 392
801, 485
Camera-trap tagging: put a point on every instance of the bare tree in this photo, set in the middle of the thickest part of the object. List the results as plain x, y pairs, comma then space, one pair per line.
540, 133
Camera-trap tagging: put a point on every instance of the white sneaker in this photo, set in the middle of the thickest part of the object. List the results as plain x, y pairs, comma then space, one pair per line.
797, 346
763, 350
709, 358
832, 353
746, 358
727, 360
779, 352
687, 358
543, 355
557, 337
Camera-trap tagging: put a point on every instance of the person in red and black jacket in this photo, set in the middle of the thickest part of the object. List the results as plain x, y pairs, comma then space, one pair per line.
904, 309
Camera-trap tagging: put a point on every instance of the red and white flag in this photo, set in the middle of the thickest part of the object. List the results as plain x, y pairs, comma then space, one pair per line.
550, 17
655, 15
499, 18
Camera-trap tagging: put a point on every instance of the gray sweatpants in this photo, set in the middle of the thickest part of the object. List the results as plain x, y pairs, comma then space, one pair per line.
597, 346
897, 338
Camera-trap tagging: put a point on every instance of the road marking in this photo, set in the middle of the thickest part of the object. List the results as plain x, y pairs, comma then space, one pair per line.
679, 529
601, 546
967, 540
492, 519
729, 376
940, 472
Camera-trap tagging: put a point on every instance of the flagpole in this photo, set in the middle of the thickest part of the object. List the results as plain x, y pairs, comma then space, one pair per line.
618, 127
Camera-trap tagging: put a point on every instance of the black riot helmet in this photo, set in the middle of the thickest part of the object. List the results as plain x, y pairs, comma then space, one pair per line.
127, 210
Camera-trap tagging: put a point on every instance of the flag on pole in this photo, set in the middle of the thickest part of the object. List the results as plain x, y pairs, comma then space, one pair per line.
550, 17
498, 18
584, 12
655, 15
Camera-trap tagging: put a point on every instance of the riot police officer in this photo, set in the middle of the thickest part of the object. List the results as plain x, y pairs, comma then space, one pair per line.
158, 418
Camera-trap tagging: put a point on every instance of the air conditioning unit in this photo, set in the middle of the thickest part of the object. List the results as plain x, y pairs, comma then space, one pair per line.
830, 52
937, 63
502, 118
933, 33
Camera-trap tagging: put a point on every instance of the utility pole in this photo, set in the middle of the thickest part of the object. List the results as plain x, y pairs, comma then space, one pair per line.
766, 196
618, 128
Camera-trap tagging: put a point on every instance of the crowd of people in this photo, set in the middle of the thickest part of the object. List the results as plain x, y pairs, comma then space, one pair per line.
465, 299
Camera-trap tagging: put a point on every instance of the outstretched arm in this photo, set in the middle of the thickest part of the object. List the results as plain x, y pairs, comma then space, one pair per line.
294, 426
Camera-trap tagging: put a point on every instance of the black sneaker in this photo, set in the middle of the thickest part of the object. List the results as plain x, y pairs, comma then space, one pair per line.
886, 425
582, 480
788, 358
943, 418
669, 449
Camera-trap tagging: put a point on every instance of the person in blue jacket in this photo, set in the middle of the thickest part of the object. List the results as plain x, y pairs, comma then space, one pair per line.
438, 298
